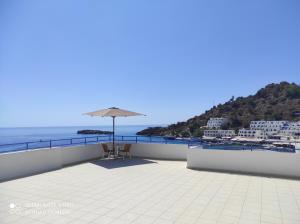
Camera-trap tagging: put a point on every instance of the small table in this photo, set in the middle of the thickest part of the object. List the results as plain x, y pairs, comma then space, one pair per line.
118, 148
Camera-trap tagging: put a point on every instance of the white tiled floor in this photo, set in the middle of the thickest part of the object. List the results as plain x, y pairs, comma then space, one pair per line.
146, 191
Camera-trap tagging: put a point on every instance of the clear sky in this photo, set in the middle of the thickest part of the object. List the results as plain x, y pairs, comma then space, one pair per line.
168, 59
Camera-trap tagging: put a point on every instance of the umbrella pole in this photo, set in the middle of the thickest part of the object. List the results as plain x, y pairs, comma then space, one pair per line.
114, 134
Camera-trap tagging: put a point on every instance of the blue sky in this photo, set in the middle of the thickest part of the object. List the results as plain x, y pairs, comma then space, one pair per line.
168, 59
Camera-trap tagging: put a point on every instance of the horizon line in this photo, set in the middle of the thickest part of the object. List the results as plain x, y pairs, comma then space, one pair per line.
63, 126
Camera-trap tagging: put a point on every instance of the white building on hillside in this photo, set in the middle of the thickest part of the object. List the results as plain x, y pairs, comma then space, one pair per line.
268, 125
269, 128
250, 133
219, 133
216, 122
291, 129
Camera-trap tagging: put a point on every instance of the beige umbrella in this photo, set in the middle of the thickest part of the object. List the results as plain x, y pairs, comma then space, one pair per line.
113, 112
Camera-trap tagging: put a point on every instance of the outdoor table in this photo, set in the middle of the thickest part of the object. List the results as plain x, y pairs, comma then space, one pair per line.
118, 148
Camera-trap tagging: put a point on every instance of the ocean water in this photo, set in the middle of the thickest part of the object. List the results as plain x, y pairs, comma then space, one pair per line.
32, 134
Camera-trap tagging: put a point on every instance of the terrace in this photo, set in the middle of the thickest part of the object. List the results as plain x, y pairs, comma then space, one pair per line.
147, 191
75, 184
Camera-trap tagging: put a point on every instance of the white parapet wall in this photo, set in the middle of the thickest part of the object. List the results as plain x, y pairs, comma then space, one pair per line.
255, 162
160, 151
77, 154
25, 163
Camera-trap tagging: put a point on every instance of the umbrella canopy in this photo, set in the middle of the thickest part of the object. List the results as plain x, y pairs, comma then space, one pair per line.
113, 112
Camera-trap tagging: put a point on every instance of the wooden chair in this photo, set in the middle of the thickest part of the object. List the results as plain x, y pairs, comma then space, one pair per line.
106, 150
126, 151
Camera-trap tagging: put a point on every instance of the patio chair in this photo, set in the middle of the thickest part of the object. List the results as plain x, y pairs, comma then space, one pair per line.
126, 151
108, 152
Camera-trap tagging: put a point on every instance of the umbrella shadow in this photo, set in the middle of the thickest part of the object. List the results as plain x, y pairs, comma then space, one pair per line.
119, 163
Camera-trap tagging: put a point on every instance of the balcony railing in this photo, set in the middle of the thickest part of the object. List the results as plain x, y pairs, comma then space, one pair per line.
87, 140
192, 143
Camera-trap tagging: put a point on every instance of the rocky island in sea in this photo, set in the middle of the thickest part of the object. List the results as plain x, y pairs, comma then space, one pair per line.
94, 132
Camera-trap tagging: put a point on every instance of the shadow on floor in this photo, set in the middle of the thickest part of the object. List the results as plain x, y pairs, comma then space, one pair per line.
119, 163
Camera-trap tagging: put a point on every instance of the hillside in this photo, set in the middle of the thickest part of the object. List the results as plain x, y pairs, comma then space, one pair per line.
273, 102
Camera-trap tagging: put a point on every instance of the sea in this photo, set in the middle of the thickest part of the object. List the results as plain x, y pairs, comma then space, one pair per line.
40, 136
31, 134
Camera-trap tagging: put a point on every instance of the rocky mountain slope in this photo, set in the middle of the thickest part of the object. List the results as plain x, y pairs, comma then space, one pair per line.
273, 102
